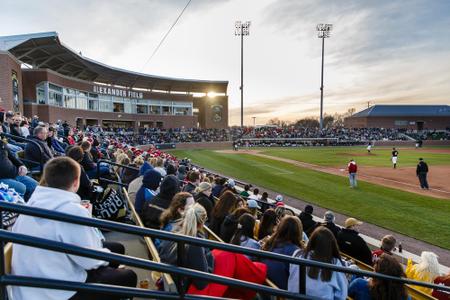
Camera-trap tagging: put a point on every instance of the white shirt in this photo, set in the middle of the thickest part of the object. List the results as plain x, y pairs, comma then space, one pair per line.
40, 263
24, 131
254, 197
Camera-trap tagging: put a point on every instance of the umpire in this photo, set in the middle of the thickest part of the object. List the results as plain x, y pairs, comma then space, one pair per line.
421, 172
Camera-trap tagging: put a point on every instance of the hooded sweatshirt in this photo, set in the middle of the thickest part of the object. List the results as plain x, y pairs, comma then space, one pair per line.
147, 191
152, 210
136, 184
34, 262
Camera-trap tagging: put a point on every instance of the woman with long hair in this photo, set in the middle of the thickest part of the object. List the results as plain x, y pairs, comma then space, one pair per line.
374, 288
226, 205
244, 233
268, 224
321, 283
195, 257
427, 270
229, 225
286, 240
171, 218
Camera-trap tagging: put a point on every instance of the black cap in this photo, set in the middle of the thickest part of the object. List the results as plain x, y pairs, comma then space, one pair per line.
421, 158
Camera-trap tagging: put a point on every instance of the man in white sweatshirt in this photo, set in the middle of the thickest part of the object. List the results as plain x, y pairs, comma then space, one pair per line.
62, 178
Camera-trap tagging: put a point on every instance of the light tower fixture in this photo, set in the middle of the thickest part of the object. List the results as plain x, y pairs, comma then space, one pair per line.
323, 31
241, 29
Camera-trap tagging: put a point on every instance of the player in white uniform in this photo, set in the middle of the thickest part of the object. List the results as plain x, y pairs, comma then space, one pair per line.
394, 157
369, 148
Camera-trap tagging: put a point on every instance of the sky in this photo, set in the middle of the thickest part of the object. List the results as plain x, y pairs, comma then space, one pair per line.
382, 52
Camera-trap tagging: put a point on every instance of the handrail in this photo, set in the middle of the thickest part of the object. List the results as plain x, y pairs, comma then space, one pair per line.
44, 213
41, 161
109, 162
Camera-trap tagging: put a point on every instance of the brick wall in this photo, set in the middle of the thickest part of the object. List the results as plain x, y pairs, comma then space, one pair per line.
8, 64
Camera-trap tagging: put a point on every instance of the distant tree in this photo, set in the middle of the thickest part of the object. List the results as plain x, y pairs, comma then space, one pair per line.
274, 121
308, 122
328, 121
351, 111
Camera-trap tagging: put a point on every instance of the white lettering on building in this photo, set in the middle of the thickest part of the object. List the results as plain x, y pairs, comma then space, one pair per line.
117, 92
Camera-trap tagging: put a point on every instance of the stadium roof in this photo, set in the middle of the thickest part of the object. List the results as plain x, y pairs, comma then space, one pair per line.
405, 111
45, 50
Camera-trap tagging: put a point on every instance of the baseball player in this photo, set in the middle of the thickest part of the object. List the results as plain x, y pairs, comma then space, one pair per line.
369, 148
394, 157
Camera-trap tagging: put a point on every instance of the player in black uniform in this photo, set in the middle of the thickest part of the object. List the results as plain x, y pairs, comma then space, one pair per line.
421, 172
394, 157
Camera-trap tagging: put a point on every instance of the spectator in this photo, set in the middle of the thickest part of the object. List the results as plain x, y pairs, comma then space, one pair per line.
53, 143
14, 126
229, 225
148, 189
421, 172
172, 217
38, 154
352, 244
387, 246
320, 283
13, 173
229, 186
202, 196
244, 233
181, 173
89, 165
196, 257
152, 211
128, 175
218, 186
255, 195
245, 193
193, 181
136, 184
286, 240
329, 223
85, 190
58, 194
307, 220
264, 201
374, 288
24, 129
427, 270
442, 280
171, 170
70, 137
159, 166
268, 224
226, 205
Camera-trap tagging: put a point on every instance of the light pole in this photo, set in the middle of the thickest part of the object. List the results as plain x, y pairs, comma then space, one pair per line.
323, 31
254, 122
241, 29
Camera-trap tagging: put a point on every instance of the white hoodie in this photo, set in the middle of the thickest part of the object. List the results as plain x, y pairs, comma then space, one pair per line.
34, 262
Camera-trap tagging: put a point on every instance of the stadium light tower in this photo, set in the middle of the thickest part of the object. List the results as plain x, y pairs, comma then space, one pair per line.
241, 29
323, 31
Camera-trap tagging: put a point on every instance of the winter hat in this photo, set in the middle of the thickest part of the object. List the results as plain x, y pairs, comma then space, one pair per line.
252, 204
279, 198
151, 180
144, 168
169, 186
309, 209
279, 204
329, 217
204, 186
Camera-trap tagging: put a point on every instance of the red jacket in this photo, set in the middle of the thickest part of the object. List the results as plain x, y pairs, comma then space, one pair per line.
442, 295
352, 168
236, 266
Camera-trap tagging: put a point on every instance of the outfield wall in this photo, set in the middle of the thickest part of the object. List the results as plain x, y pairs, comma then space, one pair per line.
411, 143
201, 145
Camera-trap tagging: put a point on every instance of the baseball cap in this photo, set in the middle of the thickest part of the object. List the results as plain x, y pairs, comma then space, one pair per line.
329, 216
231, 183
279, 198
252, 204
351, 222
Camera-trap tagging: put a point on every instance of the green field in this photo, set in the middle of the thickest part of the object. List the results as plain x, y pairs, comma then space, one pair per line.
418, 216
339, 156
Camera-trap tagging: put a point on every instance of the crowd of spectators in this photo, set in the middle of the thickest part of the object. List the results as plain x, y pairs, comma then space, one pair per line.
173, 195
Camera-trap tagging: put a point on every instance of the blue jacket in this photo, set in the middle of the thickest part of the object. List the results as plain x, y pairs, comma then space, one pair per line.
278, 272
147, 191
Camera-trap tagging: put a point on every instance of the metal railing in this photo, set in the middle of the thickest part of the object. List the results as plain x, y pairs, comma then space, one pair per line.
39, 163
106, 180
180, 271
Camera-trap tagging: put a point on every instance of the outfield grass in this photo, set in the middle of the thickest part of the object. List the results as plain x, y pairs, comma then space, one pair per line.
339, 156
421, 217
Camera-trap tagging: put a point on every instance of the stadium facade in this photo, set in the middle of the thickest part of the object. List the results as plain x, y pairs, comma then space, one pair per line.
412, 117
39, 75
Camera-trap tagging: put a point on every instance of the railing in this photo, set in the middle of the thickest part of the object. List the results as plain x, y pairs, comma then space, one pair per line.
40, 163
102, 179
181, 240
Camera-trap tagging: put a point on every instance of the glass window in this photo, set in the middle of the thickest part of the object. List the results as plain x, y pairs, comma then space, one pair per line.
130, 106
155, 110
40, 96
166, 110
55, 88
69, 101
105, 106
93, 105
55, 98
82, 102
142, 109
118, 107
182, 111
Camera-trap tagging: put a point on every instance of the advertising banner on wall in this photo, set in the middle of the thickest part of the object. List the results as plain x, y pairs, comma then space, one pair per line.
15, 91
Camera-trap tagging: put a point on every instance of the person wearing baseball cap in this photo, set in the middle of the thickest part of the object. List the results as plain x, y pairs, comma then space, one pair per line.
352, 244
328, 222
